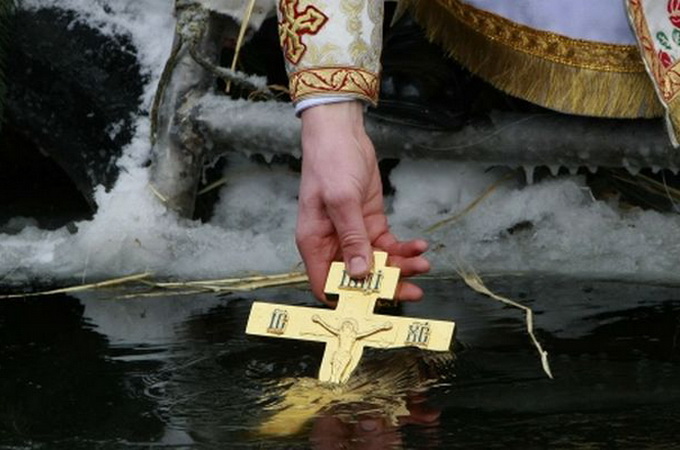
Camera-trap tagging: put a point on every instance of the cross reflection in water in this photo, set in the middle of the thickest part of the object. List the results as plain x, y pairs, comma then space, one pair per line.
179, 371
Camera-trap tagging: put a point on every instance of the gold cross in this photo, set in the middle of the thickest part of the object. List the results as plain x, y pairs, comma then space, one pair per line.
352, 325
295, 24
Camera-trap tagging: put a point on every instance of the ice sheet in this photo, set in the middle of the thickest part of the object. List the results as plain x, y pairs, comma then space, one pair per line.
563, 230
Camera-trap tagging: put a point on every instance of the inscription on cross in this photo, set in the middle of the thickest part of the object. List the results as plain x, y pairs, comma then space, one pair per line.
352, 325
295, 24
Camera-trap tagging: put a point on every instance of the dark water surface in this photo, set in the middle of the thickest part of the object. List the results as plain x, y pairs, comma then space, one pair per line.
96, 371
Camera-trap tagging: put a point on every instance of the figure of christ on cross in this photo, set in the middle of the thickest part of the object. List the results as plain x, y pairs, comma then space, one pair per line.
354, 312
347, 335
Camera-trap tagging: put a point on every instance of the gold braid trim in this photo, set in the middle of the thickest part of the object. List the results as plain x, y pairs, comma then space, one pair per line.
569, 75
350, 81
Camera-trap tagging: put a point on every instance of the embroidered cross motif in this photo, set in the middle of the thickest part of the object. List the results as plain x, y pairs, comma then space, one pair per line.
294, 25
353, 325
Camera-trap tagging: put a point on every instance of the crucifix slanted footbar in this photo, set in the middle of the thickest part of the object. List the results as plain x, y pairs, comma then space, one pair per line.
352, 325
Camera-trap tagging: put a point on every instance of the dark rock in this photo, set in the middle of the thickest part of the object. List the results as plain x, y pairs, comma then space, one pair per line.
73, 92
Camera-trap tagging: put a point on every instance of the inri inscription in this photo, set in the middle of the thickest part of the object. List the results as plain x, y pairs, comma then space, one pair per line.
353, 324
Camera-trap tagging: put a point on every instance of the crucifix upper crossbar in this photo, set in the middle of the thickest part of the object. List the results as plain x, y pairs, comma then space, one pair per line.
352, 325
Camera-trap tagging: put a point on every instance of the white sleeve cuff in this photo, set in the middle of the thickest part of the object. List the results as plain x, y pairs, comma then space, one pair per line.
316, 101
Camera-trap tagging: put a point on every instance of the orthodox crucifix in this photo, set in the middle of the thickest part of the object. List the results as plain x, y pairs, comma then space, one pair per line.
352, 325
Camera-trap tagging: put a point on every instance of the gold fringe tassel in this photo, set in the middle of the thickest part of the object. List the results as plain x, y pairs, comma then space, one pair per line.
673, 121
558, 85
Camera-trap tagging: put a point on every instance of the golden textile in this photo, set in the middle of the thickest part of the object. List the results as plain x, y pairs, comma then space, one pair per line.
359, 83
569, 75
332, 48
661, 53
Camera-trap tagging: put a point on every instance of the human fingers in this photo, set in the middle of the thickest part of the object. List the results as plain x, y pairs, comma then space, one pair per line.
421, 413
316, 249
347, 218
317, 267
329, 431
408, 292
389, 243
374, 432
410, 267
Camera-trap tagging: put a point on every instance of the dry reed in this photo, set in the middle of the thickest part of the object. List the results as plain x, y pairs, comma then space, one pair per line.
157, 289
474, 281
469, 208
239, 42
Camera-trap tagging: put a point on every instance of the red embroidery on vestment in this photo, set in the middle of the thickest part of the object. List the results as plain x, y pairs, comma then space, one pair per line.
295, 24
667, 79
674, 12
333, 81
665, 59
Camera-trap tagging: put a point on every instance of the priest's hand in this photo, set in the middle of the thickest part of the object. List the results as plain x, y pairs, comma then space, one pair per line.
340, 212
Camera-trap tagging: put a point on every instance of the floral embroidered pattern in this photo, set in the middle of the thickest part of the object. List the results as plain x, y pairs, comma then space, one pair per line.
665, 59
323, 54
296, 24
667, 34
662, 64
333, 81
358, 48
674, 12
375, 15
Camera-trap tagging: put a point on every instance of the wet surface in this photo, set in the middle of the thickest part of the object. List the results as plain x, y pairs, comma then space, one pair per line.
94, 371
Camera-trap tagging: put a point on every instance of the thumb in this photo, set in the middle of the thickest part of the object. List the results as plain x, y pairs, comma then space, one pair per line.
355, 245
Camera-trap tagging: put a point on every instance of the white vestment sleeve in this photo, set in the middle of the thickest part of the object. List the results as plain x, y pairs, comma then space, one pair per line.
592, 20
332, 48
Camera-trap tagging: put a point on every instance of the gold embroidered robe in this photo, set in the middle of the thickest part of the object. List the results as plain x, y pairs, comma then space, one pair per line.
332, 48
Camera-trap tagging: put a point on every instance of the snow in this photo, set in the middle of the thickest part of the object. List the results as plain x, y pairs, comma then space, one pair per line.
567, 230
564, 229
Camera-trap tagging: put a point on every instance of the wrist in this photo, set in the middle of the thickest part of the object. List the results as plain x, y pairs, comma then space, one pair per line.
331, 118
307, 103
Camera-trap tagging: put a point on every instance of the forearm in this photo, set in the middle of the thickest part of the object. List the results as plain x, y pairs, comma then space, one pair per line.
332, 56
